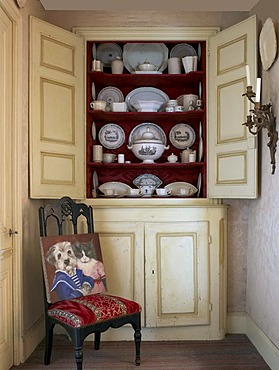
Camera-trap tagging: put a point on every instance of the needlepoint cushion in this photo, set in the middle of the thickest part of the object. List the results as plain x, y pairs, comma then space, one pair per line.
90, 309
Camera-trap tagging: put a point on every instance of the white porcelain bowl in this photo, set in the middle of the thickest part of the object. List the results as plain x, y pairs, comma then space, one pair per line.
147, 105
146, 67
148, 151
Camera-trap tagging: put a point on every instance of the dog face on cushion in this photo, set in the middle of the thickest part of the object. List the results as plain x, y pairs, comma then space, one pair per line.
62, 256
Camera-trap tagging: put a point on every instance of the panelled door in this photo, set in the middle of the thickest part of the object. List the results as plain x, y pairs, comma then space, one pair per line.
232, 169
9, 188
177, 274
56, 112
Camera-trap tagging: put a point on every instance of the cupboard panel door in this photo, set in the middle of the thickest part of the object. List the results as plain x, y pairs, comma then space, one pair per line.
177, 274
56, 112
122, 250
232, 169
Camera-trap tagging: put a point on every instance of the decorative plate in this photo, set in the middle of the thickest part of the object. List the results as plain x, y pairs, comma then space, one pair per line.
111, 95
146, 93
175, 187
182, 50
268, 44
120, 188
136, 53
111, 136
182, 136
107, 52
156, 130
147, 179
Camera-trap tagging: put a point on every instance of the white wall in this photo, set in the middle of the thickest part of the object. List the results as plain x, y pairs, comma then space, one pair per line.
262, 299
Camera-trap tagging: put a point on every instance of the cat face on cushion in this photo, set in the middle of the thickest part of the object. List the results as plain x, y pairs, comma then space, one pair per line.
84, 251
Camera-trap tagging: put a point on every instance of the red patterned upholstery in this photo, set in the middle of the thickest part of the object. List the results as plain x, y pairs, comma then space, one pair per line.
91, 309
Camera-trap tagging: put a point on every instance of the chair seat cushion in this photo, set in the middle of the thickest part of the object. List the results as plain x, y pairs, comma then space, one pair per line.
90, 309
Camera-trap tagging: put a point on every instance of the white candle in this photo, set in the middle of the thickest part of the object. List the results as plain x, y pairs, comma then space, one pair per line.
248, 75
258, 90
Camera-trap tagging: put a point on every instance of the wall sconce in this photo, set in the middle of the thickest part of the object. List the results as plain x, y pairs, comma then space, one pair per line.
262, 117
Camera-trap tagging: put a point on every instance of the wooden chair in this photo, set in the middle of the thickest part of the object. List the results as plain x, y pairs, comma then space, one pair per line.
83, 314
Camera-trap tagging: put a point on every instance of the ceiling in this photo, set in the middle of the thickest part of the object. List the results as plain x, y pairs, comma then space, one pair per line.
173, 5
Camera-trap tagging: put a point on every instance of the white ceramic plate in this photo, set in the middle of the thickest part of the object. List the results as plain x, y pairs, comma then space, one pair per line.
111, 136
200, 143
111, 95
146, 93
120, 188
199, 184
137, 132
93, 130
175, 187
107, 52
147, 179
182, 50
136, 53
182, 136
93, 91
268, 44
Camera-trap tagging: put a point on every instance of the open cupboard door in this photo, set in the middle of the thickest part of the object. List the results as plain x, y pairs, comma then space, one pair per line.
232, 169
56, 112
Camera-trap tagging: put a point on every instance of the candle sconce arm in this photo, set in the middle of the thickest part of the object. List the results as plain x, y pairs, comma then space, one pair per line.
262, 117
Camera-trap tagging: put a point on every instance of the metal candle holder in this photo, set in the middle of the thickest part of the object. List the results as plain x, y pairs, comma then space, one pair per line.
262, 117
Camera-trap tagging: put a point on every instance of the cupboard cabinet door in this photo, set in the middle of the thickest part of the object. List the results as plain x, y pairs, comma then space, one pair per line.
177, 274
122, 250
56, 112
232, 164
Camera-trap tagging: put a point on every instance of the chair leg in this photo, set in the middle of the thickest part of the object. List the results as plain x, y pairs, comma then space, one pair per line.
137, 337
48, 342
79, 357
97, 340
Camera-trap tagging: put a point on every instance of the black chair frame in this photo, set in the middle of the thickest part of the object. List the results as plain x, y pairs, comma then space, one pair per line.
67, 209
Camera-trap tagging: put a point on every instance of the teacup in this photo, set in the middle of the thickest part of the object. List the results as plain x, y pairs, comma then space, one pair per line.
134, 191
98, 105
109, 191
162, 191
109, 157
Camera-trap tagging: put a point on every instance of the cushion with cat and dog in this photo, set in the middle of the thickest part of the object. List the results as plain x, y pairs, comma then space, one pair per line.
73, 266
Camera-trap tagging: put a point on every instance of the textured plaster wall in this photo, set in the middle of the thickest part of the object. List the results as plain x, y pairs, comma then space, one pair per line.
263, 226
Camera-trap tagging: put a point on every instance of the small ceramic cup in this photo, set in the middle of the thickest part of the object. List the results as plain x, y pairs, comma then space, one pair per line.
109, 157
109, 191
134, 191
162, 191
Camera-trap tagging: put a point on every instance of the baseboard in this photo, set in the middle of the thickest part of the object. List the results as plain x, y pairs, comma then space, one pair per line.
236, 323
32, 338
265, 347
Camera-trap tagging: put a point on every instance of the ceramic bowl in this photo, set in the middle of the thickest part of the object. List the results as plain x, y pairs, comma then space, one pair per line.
146, 66
147, 105
109, 157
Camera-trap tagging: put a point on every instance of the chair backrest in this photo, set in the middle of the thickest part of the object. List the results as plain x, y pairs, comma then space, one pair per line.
65, 210
72, 263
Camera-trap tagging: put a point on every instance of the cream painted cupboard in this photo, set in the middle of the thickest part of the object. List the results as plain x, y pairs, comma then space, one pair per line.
172, 259
168, 254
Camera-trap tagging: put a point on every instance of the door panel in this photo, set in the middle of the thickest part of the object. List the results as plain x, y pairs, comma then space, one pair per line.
177, 274
232, 169
56, 112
